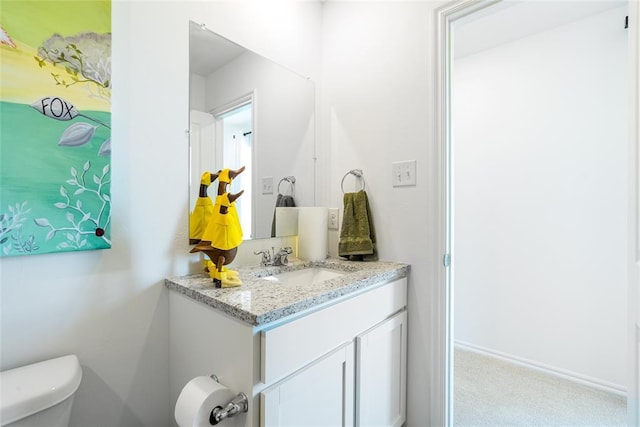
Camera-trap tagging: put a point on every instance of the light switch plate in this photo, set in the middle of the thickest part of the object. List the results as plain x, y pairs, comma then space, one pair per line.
267, 185
403, 173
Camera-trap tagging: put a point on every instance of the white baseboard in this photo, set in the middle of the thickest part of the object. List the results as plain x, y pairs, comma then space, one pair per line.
550, 370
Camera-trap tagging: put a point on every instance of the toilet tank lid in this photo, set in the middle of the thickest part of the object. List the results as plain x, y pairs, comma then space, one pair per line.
34, 388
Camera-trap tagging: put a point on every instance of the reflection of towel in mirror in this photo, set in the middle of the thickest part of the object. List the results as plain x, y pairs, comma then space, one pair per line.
281, 202
357, 236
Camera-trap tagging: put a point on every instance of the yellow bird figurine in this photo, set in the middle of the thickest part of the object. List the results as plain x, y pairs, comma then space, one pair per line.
203, 209
223, 233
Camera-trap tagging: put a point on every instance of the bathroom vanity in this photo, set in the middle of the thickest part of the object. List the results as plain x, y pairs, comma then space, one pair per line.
310, 343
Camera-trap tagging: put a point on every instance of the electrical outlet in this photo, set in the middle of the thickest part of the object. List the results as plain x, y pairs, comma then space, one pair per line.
267, 185
403, 173
333, 218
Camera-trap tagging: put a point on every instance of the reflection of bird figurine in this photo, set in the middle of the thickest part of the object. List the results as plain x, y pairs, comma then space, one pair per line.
202, 211
223, 233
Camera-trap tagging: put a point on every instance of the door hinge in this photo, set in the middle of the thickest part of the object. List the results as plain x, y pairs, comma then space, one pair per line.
446, 260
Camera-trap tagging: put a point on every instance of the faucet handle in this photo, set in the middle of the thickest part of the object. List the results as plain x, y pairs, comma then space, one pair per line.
281, 257
266, 257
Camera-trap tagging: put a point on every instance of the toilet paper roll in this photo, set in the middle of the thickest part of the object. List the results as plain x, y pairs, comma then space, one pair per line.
197, 399
312, 233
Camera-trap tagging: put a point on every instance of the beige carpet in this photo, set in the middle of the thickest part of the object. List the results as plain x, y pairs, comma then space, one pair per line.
492, 392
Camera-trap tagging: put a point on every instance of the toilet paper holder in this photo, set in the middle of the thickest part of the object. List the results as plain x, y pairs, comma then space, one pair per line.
237, 405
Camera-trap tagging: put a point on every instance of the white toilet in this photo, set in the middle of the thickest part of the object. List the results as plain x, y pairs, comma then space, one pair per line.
40, 394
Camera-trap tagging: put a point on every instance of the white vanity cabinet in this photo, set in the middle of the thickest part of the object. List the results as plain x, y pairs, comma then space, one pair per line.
342, 363
381, 373
374, 324
320, 394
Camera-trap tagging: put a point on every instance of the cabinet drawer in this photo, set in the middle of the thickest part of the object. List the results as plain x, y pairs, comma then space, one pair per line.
291, 346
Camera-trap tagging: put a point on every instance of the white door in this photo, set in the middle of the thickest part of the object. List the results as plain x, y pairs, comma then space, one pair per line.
633, 396
318, 395
381, 374
202, 146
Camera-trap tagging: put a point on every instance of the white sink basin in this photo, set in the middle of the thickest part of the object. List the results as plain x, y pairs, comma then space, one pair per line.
306, 276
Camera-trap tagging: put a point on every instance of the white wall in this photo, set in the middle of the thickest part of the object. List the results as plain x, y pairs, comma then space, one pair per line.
284, 116
540, 140
110, 307
197, 92
377, 107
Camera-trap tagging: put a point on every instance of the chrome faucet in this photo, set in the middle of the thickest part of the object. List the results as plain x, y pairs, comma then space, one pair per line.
280, 258
274, 258
266, 257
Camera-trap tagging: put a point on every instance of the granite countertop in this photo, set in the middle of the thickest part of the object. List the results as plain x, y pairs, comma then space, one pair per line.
260, 301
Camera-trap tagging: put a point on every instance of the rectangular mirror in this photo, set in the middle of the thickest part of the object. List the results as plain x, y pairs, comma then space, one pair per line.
246, 110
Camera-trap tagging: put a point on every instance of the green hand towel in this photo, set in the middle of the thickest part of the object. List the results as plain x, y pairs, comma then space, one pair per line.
357, 236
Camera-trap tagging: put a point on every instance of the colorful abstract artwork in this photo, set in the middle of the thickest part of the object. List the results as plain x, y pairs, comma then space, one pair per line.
55, 126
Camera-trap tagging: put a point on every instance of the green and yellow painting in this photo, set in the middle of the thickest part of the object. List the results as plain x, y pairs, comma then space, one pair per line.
55, 126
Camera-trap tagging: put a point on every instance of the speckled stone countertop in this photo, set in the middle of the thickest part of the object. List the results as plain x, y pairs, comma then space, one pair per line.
260, 301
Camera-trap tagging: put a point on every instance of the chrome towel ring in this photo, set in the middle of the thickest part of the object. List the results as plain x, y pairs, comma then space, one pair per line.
358, 174
291, 180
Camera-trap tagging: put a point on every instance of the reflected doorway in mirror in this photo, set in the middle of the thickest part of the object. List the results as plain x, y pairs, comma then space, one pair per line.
224, 136
234, 146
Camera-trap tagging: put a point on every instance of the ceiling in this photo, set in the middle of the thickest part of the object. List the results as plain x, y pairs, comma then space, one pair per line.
508, 20
511, 20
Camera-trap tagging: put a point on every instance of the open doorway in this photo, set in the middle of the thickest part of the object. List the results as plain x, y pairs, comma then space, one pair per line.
512, 162
234, 149
224, 138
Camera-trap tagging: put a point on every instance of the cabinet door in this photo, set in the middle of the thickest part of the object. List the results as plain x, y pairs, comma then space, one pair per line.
381, 373
321, 394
